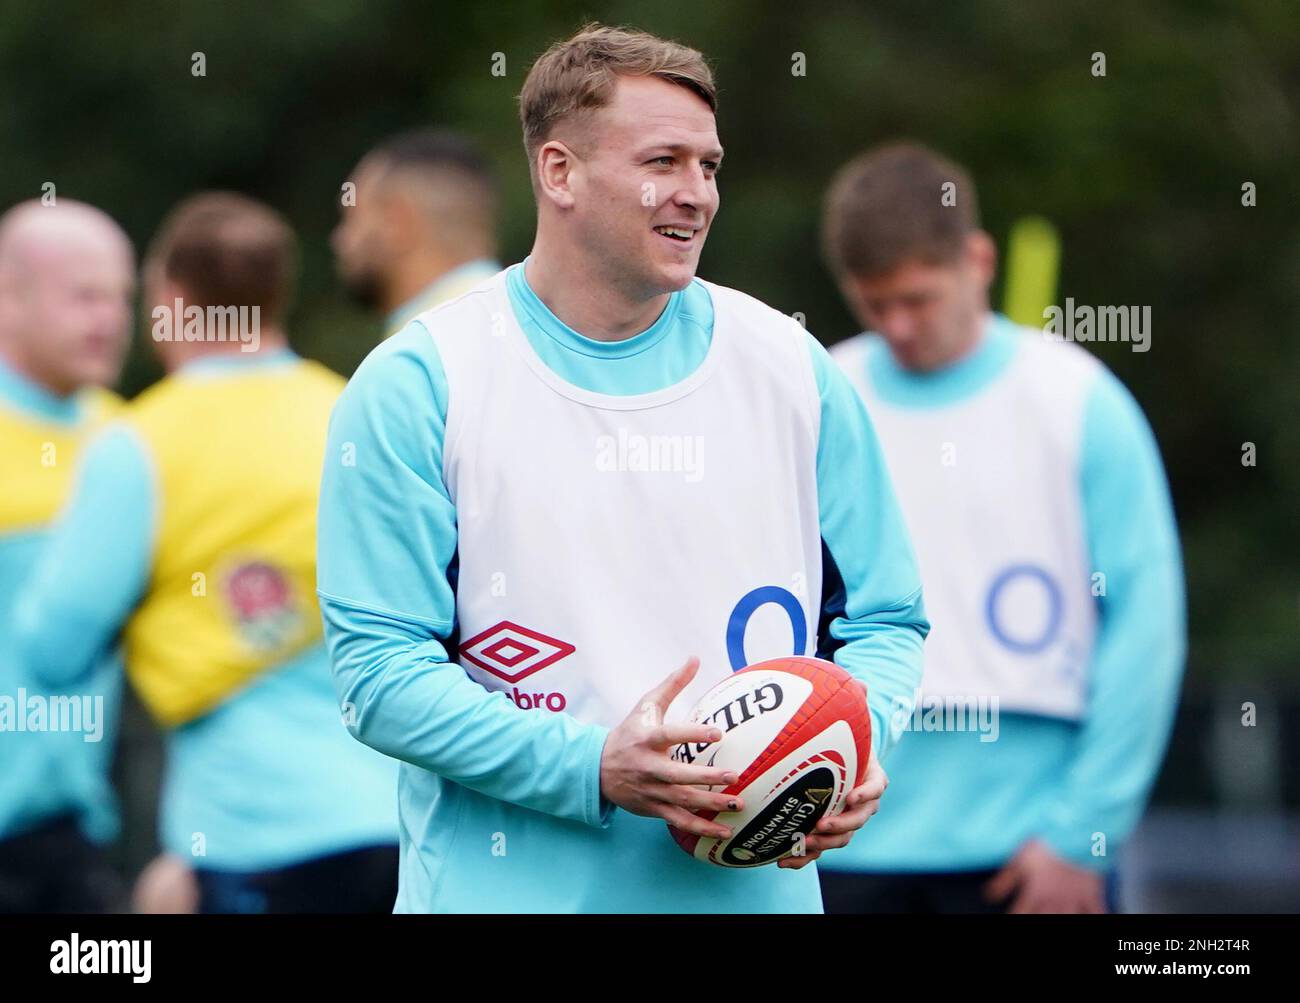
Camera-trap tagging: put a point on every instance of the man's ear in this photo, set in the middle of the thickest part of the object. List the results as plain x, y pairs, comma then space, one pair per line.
851, 291
555, 164
160, 295
159, 291
982, 255
404, 223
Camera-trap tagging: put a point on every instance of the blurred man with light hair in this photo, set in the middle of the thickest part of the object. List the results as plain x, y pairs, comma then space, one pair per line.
66, 284
420, 226
1035, 494
191, 535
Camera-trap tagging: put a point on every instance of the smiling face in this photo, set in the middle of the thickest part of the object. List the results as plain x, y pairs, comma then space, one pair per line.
642, 186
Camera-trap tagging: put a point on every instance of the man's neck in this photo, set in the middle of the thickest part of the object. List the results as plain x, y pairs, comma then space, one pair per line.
594, 310
16, 363
271, 341
966, 346
417, 272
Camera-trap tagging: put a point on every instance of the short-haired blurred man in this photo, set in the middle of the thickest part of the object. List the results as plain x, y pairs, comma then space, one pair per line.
67, 276
192, 536
500, 510
1037, 501
421, 229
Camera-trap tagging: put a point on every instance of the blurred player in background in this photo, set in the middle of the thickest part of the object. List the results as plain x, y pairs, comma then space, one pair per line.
492, 518
422, 227
67, 275
192, 535
1038, 505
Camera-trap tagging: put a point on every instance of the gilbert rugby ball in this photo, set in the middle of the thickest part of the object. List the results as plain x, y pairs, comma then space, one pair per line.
797, 733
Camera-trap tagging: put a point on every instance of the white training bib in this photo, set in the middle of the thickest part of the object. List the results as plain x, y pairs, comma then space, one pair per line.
603, 540
991, 490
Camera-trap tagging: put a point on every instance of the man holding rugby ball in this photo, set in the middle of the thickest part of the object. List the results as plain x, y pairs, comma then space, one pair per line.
540, 497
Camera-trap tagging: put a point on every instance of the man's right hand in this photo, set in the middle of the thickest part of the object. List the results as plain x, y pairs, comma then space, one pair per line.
637, 774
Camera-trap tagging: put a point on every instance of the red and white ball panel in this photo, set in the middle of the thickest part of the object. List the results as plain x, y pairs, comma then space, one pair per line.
798, 734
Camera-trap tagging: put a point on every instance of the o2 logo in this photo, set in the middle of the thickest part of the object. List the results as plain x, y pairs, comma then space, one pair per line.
1026, 578
748, 606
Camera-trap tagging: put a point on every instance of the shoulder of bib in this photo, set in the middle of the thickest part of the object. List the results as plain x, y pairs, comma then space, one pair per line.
754, 314
1059, 365
320, 376
101, 404
851, 356
770, 339
460, 327
1055, 380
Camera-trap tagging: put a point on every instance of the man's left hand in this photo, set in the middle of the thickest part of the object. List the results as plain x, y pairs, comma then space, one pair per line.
836, 830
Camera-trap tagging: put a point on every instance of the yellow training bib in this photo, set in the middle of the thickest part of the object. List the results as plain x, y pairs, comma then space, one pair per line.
237, 460
39, 458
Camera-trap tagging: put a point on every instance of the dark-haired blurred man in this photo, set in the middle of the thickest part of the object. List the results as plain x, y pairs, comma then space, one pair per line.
1035, 494
421, 229
67, 276
191, 537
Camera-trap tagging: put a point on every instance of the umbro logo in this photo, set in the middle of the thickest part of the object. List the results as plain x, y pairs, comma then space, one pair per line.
512, 652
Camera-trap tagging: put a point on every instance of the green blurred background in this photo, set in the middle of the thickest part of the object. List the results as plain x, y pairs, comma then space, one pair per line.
1140, 170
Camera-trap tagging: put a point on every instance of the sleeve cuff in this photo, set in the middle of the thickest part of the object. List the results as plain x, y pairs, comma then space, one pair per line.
1074, 844
598, 809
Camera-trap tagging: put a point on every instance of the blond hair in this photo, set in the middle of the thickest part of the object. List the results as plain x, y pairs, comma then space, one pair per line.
577, 76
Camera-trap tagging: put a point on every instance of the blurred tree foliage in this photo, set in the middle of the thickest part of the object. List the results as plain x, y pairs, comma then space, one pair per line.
1142, 171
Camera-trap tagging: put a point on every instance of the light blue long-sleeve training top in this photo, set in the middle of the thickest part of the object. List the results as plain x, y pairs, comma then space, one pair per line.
956, 803
46, 774
473, 762
254, 784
